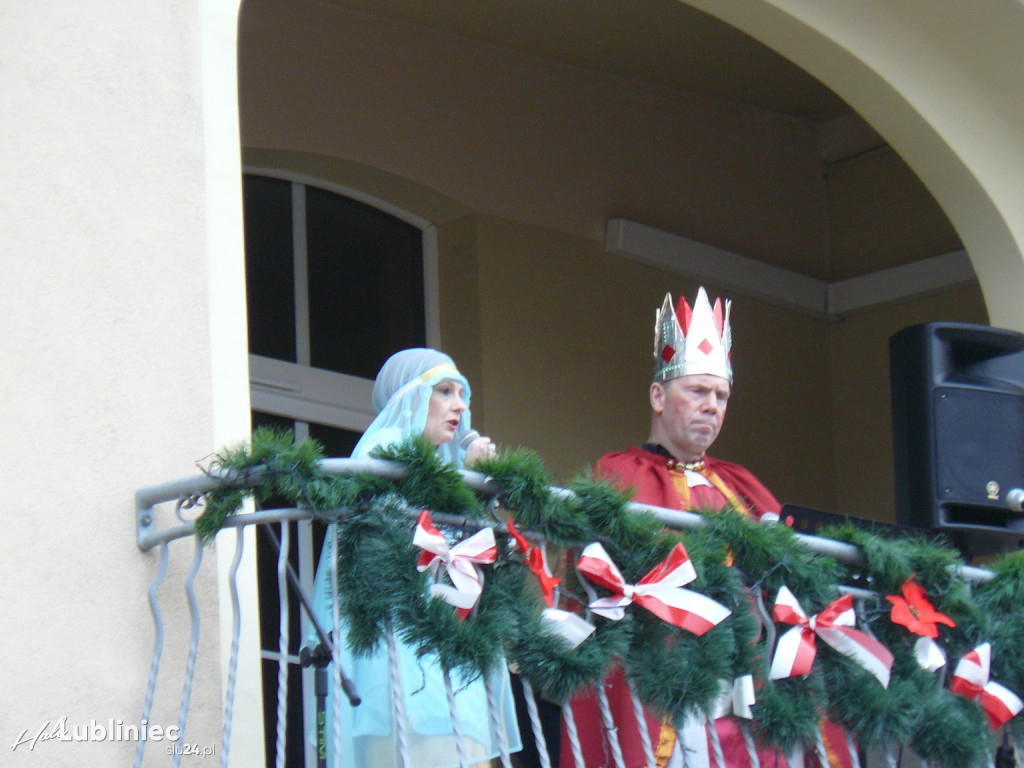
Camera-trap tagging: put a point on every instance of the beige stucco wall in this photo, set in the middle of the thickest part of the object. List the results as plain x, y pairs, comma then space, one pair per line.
526, 139
567, 342
946, 93
108, 360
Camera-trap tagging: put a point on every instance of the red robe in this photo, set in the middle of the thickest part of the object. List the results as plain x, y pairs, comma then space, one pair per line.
661, 481
656, 479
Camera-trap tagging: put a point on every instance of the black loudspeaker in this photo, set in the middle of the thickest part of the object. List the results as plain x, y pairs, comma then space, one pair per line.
958, 432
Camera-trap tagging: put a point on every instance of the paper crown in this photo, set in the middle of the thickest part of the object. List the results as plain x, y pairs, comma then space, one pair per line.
689, 341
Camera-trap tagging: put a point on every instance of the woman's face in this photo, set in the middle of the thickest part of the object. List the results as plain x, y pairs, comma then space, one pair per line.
444, 412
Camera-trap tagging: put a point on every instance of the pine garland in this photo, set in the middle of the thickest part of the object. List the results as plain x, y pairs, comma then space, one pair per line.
739, 563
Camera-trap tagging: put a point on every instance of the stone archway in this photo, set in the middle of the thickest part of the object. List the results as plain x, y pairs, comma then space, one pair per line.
944, 87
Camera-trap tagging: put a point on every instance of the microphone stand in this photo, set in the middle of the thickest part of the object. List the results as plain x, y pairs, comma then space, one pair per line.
319, 657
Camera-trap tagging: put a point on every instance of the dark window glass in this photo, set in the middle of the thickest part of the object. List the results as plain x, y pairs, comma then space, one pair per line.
269, 271
268, 537
266, 559
365, 284
336, 442
365, 301
280, 423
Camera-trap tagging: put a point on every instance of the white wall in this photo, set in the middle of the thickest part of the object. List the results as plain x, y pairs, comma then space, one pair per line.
120, 342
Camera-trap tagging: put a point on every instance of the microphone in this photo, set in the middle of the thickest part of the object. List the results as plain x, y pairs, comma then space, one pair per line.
1015, 499
468, 438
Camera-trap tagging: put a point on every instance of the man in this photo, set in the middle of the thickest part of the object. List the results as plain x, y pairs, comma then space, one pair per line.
689, 396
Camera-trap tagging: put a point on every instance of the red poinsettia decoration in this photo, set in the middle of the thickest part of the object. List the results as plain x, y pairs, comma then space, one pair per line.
915, 612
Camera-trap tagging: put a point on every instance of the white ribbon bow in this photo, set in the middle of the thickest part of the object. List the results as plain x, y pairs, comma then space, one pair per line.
460, 562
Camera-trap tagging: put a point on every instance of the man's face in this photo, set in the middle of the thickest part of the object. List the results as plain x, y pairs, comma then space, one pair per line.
688, 413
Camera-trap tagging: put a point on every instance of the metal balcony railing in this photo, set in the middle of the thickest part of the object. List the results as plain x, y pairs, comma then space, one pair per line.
162, 523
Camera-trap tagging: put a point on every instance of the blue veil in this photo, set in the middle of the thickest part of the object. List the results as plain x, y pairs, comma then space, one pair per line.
401, 396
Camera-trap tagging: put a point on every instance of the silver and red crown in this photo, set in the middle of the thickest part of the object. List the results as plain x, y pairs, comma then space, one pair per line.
689, 341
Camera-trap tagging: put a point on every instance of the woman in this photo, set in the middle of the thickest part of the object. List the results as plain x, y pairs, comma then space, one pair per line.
417, 392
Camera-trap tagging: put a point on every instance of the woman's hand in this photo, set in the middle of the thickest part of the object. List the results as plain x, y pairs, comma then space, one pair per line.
479, 449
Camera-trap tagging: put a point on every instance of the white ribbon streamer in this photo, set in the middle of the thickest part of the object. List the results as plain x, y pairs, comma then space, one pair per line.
737, 698
929, 654
795, 652
570, 627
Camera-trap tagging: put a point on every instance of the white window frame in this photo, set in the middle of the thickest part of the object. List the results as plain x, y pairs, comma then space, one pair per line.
297, 390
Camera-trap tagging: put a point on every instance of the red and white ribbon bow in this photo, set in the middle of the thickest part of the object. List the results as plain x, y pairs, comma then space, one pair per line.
459, 561
971, 680
795, 652
659, 591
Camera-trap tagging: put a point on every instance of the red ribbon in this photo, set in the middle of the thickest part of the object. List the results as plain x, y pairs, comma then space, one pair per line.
915, 611
536, 564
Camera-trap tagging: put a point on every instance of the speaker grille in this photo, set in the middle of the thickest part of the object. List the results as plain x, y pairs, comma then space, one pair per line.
982, 454
980, 446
